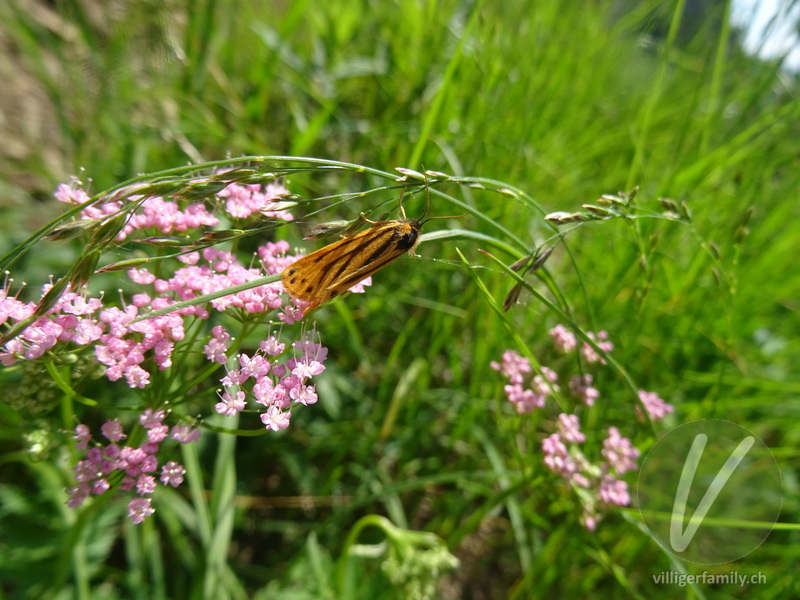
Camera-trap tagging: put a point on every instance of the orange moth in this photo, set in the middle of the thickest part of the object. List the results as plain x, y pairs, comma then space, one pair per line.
334, 269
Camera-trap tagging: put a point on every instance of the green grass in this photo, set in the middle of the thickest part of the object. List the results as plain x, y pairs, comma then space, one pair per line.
565, 101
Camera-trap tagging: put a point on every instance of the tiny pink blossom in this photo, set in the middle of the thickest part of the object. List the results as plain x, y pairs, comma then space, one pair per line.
141, 276
231, 405
613, 491
189, 258
215, 351
100, 486
263, 391
280, 397
557, 456
303, 394
149, 464
544, 384
275, 418
619, 452
172, 474
137, 377
94, 455
86, 332
157, 433
513, 366
272, 346
139, 509
77, 495
86, 469
601, 339
145, 484
590, 522
293, 313
151, 418
569, 428
563, 339
71, 194
82, 436
654, 405
525, 400
256, 366
307, 370
185, 434
360, 287
234, 377
581, 388
112, 430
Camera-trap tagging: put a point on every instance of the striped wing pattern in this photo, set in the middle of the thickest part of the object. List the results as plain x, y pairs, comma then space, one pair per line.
326, 273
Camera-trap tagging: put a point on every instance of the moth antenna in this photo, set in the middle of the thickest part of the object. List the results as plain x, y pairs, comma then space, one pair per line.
445, 217
427, 199
422, 219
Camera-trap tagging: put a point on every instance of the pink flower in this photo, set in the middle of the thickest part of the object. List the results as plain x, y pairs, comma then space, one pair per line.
185, 434
275, 419
82, 436
557, 457
303, 394
581, 388
524, 399
590, 354
77, 495
256, 366
231, 405
70, 194
151, 418
654, 405
99, 486
172, 474
569, 427
513, 366
139, 509
145, 484
112, 430
614, 491
157, 433
563, 339
215, 351
618, 451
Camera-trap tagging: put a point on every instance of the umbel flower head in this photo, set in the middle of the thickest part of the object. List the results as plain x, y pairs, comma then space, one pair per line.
135, 468
598, 485
167, 351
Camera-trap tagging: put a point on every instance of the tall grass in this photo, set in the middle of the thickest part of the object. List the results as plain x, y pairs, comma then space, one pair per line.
566, 101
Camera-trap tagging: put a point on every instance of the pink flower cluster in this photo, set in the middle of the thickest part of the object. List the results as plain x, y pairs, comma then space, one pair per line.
71, 321
167, 217
571, 464
273, 384
135, 466
276, 377
542, 385
565, 341
123, 346
561, 452
245, 200
654, 405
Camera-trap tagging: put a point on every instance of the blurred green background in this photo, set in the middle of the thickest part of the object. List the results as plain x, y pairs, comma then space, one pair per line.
565, 100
